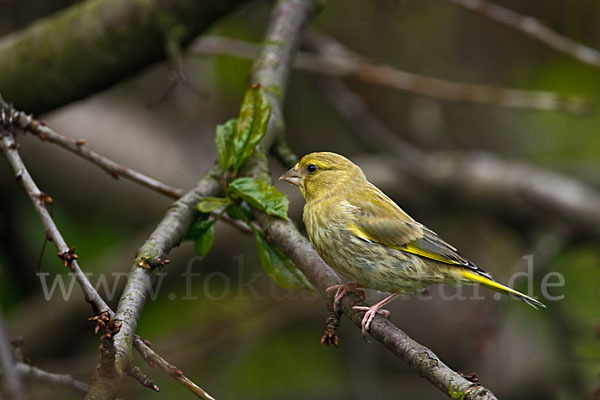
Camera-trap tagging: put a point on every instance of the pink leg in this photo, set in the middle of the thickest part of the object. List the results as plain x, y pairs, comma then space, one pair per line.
342, 290
374, 310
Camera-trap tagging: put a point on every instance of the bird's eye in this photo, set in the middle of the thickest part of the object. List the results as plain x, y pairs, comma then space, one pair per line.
312, 168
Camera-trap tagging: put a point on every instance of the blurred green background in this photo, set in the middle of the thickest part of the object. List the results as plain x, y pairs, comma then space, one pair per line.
231, 329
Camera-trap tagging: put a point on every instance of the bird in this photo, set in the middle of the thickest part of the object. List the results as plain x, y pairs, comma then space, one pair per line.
368, 239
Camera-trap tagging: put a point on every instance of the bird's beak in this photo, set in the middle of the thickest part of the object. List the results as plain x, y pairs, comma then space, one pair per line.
292, 176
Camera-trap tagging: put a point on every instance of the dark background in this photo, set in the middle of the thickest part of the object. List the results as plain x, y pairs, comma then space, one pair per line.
261, 342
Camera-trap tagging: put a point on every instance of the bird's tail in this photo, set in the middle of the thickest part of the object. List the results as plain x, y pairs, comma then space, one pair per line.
490, 283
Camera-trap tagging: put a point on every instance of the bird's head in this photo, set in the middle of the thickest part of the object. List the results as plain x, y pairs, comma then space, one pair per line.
323, 174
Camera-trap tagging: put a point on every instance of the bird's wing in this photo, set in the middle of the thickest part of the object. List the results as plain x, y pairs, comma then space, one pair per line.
379, 220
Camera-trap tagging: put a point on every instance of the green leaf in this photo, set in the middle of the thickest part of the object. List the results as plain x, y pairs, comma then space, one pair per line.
261, 195
278, 266
251, 125
224, 139
199, 226
204, 242
209, 204
202, 232
240, 211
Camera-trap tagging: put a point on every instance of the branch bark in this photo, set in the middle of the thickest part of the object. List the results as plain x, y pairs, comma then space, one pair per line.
39, 200
153, 358
28, 124
95, 44
168, 234
29, 373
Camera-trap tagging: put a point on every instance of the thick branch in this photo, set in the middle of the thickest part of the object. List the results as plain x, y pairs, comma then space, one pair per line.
178, 219
418, 357
10, 149
350, 65
533, 28
95, 44
168, 234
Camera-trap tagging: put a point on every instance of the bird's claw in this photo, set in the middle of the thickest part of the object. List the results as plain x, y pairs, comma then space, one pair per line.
370, 313
342, 290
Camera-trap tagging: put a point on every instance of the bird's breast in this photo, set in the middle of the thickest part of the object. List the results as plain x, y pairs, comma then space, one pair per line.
371, 264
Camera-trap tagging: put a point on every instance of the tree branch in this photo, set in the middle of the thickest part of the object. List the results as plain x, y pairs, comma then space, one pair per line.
350, 65
29, 124
12, 379
532, 28
39, 199
151, 255
29, 373
272, 71
95, 44
40, 130
152, 358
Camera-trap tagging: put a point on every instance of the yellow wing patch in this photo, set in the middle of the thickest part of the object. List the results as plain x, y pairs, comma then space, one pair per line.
356, 231
428, 254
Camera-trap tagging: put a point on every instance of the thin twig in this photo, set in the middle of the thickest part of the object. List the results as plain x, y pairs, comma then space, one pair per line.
29, 373
361, 70
178, 74
27, 123
136, 373
12, 379
370, 130
40, 130
152, 358
245, 227
39, 200
10, 150
532, 28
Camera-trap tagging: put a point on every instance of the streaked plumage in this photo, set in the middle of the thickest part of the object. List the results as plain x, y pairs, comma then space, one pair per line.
363, 235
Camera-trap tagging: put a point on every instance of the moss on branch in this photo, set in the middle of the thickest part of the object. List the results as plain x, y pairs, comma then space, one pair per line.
92, 45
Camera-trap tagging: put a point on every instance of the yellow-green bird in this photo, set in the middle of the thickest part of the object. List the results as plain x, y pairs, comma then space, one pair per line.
366, 237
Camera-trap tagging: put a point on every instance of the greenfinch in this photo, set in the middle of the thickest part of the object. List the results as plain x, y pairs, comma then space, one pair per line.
367, 238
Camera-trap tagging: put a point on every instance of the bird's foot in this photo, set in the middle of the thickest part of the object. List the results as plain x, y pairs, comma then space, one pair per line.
371, 312
342, 290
